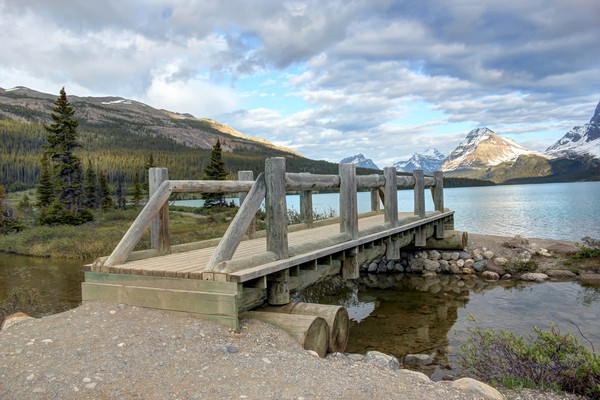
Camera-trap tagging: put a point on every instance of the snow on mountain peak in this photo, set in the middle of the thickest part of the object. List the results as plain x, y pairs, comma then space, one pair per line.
360, 160
429, 161
483, 147
579, 141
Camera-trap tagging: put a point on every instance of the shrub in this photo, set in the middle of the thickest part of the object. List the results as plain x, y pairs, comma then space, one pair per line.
520, 266
590, 248
546, 360
21, 299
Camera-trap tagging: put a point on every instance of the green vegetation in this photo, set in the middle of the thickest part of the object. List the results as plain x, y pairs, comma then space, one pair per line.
215, 171
518, 266
545, 360
589, 249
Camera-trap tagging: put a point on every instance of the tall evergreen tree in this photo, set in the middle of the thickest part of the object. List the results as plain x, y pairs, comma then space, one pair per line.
136, 190
45, 189
215, 170
106, 202
90, 187
120, 193
67, 172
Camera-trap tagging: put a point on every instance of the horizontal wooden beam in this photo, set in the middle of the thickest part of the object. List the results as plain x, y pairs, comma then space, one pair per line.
210, 186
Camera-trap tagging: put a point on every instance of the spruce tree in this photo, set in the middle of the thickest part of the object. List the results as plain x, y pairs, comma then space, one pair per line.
136, 190
120, 193
215, 170
106, 202
66, 170
90, 187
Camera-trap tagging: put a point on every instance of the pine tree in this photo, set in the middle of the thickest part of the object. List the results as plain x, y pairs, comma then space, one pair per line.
215, 170
45, 190
120, 193
62, 139
136, 190
106, 202
90, 187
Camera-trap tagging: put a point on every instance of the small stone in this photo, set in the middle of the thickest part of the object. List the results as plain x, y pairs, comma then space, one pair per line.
479, 265
534, 277
418, 359
47, 341
227, 349
454, 256
434, 255
488, 255
313, 353
467, 271
30, 377
499, 261
355, 357
560, 273
86, 380
447, 256
469, 263
490, 276
75, 389
91, 385
372, 267
112, 312
121, 345
266, 360
460, 262
477, 255
506, 277
476, 389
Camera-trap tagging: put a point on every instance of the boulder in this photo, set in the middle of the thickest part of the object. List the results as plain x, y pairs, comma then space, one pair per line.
488, 254
560, 273
534, 277
14, 319
479, 265
434, 255
421, 264
495, 268
419, 375
381, 360
500, 261
519, 241
475, 389
469, 263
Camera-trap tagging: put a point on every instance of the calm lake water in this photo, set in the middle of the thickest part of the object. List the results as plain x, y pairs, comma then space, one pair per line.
408, 314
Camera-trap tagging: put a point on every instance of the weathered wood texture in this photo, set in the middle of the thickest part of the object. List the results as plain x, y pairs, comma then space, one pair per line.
453, 240
419, 193
159, 229
336, 317
240, 224
303, 181
306, 206
348, 202
210, 186
311, 332
277, 238
135, 231
437, 191
247, 176
375, 201
390, 196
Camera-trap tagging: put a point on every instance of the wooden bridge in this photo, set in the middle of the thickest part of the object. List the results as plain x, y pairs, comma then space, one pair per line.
221, 278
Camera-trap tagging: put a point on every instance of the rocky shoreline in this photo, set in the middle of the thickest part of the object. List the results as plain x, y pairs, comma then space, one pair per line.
101, 351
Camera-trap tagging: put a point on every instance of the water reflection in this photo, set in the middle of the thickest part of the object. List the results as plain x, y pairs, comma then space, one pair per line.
406, 314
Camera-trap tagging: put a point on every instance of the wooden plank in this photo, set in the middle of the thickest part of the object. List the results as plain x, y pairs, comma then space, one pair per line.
159, 227
306, 208
350, 268
240, 224
275, 202
419, 192
437, 191
348, 202
304, 181
373, 181
390, 197
164, 299
375, 201
206, 186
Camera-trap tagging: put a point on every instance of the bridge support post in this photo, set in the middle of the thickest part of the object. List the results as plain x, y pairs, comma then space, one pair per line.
159, 227
277, 235
390, 197
247, 176
348, 206
392, 249
278, 292
350, 267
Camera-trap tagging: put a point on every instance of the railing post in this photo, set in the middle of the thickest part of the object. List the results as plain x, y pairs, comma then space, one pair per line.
375, 201
348, 206
277, 237
437, 191
159, 228
419, 191
247, 176
390, 197
306, 206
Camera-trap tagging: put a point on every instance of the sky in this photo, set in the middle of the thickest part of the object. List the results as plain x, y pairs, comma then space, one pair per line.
328, 79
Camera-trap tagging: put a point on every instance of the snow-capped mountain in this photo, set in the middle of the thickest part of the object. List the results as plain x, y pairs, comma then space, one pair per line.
429, 161
483, 148
360, 161
579, 141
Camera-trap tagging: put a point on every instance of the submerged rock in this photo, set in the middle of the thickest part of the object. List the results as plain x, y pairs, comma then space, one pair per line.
534, 277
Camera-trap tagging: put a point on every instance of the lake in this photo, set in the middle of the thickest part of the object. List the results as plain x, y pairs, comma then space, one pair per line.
407, 314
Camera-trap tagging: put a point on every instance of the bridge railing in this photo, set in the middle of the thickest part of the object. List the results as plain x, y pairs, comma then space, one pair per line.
271, 187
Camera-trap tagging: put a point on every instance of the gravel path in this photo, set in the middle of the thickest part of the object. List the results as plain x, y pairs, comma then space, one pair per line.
101, 351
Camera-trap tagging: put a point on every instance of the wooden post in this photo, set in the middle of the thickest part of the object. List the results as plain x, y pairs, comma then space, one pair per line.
437, 191
350, 268
278, 292
390, 197
159, 228
348, 206
247, 176
375, 204
419, 191
306, 206
277, 237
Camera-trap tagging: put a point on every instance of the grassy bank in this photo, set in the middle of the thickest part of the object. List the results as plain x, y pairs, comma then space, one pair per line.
98, 238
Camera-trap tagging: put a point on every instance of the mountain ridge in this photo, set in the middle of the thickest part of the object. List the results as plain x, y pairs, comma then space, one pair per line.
429, 161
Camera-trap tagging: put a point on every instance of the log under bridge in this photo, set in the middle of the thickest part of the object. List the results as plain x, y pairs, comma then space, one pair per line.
221, 279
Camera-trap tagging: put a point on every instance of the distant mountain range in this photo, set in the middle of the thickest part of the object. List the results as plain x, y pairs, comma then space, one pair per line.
360, 161
486, 155
429, 161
